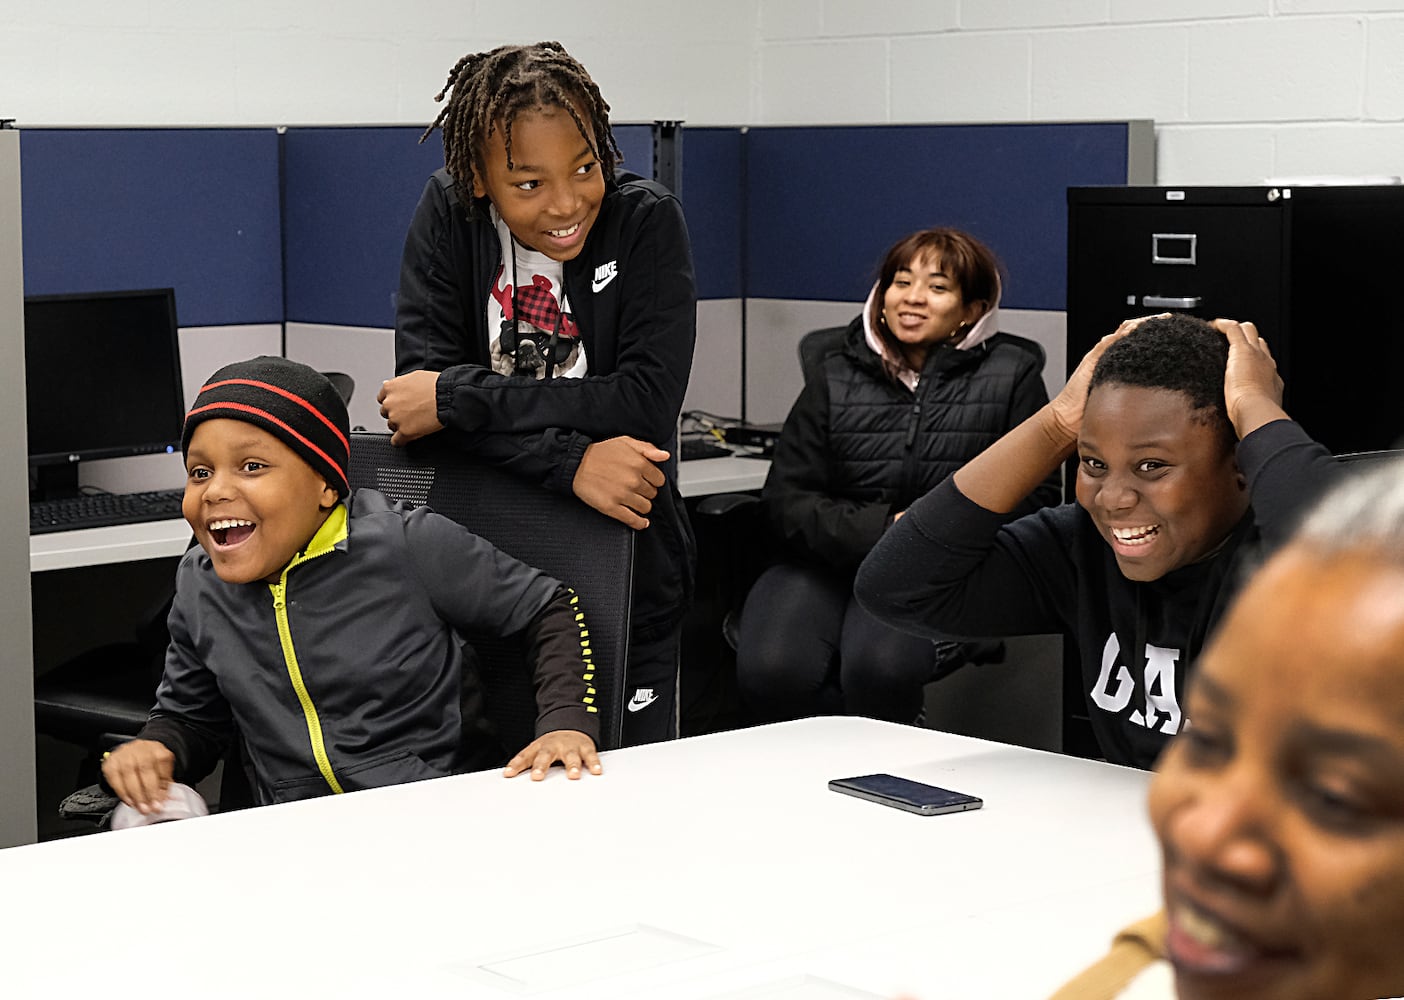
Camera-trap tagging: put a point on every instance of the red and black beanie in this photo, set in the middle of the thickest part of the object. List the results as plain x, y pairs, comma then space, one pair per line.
295, 403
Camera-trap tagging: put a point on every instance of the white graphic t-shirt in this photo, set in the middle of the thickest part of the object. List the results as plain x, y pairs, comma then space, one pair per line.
523, 325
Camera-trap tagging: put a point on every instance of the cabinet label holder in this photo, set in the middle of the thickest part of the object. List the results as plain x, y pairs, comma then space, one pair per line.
1174, 248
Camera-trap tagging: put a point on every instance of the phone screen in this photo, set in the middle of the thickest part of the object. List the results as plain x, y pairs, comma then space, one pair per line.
903, 793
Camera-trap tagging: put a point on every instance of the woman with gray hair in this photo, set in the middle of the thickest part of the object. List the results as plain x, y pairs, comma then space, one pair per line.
1280, 806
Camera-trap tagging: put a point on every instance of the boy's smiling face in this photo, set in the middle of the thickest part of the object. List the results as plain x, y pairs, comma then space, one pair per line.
1159, 481
550, 195
252, 501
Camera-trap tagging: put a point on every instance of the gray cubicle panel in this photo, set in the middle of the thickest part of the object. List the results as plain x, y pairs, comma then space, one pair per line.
816, 207
17, 819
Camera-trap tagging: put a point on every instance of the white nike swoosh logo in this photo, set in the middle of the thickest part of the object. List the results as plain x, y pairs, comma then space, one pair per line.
597, 285
636, 705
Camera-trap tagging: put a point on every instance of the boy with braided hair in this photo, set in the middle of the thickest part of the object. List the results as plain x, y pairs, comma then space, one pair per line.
546, 317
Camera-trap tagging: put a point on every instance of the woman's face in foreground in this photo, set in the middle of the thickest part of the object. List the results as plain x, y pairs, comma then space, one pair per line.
1280, 808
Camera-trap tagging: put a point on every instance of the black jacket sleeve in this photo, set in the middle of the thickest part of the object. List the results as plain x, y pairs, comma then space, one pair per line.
641, 393
811, 521
476, 587
1287, 472
565, 691
191, 716
433, 326
950, 568
548, 458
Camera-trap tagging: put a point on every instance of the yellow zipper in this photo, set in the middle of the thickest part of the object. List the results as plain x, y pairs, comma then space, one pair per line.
333, 530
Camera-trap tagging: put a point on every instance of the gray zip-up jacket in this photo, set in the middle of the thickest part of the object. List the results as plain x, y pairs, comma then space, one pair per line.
347, 673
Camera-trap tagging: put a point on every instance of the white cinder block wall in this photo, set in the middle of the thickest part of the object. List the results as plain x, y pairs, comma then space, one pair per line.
1240, 90
304, 62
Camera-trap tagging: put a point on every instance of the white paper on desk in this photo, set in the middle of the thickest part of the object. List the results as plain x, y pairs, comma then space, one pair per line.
585, 958
800, 988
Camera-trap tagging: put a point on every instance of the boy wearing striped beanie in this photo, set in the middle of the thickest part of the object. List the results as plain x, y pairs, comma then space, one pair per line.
325, 625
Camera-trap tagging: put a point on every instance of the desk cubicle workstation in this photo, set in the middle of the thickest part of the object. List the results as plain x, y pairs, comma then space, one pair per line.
286, 240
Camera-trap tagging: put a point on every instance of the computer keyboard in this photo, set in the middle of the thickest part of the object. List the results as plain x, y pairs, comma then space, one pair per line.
702, 447
99, 510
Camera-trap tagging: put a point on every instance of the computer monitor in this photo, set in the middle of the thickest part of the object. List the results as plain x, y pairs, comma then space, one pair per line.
103, 381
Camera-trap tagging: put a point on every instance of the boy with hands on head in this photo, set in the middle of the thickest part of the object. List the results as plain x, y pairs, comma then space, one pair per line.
325, 625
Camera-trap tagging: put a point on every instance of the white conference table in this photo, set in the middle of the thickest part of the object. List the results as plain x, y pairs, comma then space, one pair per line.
713, 867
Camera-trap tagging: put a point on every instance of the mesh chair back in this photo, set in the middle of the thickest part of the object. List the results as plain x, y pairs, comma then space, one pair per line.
557, 534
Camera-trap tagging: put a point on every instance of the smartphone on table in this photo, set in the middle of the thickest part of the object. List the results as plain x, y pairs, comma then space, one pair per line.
903, 793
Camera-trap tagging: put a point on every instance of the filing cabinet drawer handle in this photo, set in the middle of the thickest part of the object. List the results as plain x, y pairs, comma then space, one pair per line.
1171, 301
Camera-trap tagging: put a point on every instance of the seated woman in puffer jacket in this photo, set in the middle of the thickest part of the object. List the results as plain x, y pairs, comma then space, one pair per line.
921, 382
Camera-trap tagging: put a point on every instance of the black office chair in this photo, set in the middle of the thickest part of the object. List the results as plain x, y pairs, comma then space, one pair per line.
1362, 461
558, 534
816, 345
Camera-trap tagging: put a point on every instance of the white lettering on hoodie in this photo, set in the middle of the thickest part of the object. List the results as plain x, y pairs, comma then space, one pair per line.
1157, 681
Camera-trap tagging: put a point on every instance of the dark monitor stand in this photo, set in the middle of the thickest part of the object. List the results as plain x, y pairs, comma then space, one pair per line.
53, 482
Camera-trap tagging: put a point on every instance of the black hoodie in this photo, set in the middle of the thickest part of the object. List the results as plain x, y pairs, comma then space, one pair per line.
633, 296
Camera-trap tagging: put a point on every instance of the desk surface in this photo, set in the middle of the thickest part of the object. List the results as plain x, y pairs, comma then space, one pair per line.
115, 544
159, 539
738, 474
717, 866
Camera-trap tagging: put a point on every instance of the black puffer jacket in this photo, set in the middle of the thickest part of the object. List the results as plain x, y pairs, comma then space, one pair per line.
858, 448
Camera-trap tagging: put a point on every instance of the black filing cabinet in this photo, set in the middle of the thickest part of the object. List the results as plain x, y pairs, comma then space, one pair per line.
1315, 268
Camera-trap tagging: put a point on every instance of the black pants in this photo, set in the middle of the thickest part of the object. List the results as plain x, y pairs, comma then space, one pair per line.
651, 686
806, 648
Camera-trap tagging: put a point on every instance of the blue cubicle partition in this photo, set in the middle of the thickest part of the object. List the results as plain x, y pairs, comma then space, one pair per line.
197, 209
774, 212
713, 186
636, 148
823, 203
203, 210
349, 195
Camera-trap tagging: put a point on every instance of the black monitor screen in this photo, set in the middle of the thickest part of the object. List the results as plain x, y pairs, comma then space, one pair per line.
103, 375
